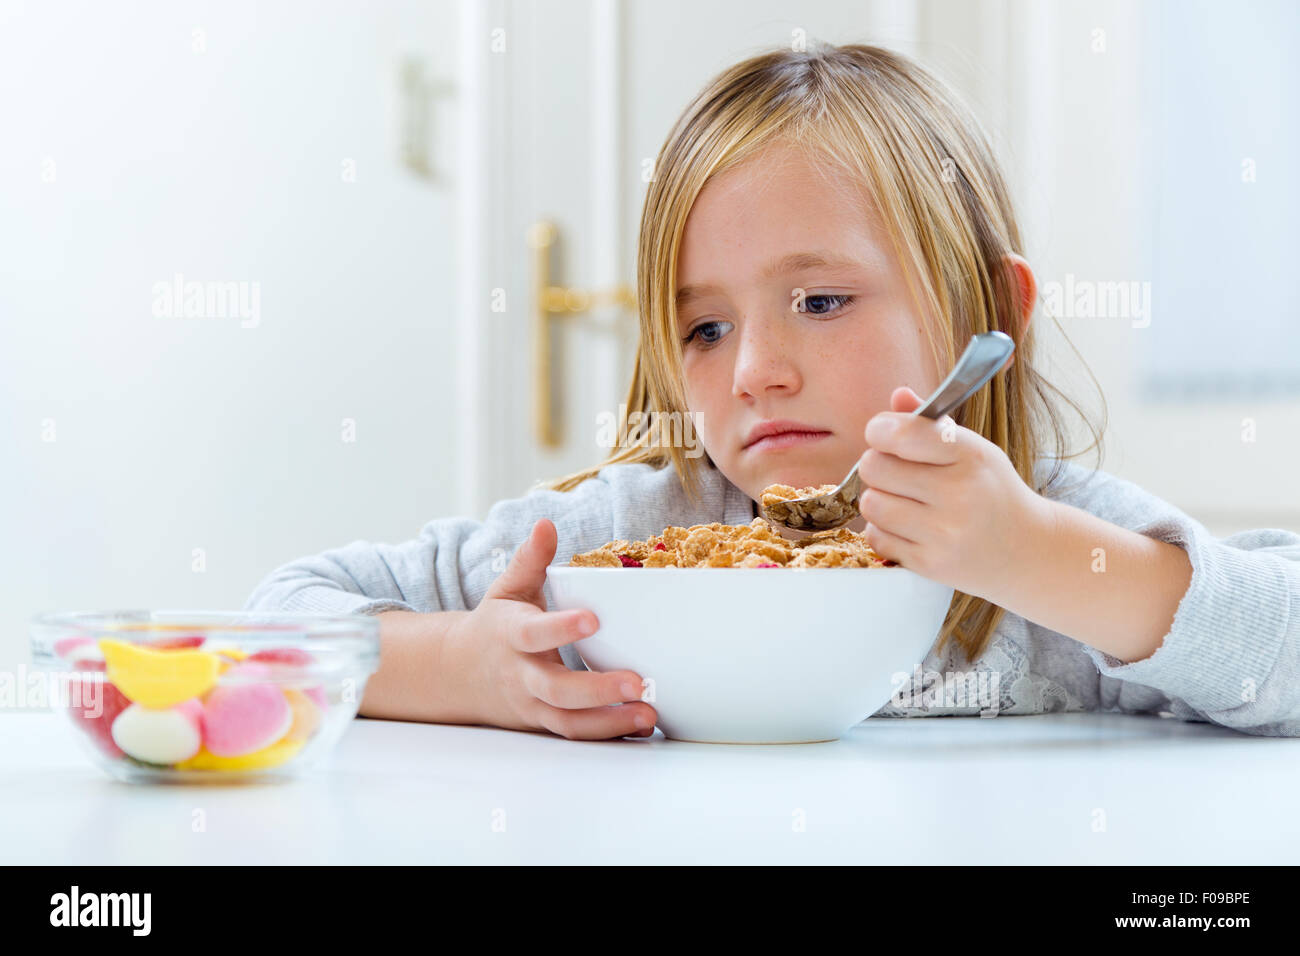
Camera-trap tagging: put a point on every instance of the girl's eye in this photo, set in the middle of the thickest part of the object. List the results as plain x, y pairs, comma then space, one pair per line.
824, 304
706, 339
813, 305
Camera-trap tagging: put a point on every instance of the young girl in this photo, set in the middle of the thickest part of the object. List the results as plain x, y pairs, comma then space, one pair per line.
824, 233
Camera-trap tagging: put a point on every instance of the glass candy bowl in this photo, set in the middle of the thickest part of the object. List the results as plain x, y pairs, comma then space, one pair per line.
204, 696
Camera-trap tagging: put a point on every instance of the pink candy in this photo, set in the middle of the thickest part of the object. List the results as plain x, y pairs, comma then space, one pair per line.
294, 657
94, 705
82, 653
241, 718
283, 655
317, 694
177, 643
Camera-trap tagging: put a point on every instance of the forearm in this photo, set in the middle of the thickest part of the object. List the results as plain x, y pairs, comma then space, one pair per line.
421, 670
1081, 576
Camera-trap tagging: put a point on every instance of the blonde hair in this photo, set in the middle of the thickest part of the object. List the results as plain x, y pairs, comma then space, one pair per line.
899, 130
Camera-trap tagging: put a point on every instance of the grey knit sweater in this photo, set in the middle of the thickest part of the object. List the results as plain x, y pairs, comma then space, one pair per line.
1232, 656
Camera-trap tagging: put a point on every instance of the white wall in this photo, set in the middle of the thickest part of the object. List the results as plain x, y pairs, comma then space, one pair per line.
1100, 222
172, 434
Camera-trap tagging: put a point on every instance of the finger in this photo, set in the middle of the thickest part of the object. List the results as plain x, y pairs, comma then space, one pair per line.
524, 576
556, 685
898, 476
552, 629
597, 723
903, 399
917, 438
893, 514
889, 546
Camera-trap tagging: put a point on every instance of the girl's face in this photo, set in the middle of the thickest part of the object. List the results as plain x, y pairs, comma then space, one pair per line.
760, 351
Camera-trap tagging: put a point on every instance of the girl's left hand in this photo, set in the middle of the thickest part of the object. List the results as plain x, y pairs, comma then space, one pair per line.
944, 501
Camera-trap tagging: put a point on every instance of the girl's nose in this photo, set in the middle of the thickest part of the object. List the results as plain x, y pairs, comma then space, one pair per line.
766, 358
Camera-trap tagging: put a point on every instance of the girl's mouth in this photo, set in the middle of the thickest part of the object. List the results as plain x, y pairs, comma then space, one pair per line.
785, 440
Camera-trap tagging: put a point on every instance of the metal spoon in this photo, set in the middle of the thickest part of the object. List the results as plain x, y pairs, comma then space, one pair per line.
984, 356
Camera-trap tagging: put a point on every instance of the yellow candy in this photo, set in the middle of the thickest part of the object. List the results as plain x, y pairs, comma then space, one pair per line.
272, 756
229, 656
157, 678
306, 715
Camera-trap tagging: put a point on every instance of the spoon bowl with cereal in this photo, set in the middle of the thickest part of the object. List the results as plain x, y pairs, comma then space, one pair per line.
832, 506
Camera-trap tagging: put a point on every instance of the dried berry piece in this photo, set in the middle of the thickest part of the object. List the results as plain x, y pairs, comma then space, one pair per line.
660, 547
629, 561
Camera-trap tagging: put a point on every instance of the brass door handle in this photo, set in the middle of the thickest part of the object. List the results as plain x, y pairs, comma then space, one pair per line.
550, 303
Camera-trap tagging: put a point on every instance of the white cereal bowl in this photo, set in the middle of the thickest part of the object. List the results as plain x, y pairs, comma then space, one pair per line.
757, 655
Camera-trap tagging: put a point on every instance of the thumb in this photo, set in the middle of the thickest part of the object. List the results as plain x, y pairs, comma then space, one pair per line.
904, 399
523, 577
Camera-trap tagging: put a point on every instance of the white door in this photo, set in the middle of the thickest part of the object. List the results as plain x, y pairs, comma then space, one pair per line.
542, 140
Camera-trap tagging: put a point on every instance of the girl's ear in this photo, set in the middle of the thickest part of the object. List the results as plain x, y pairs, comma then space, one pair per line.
1027, 289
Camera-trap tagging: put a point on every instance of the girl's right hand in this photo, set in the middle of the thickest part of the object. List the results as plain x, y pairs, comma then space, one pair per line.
510, 646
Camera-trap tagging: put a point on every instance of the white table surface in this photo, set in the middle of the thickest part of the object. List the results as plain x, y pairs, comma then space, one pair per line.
905, 790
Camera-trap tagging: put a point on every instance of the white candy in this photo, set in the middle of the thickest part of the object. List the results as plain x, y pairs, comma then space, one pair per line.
159, 736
